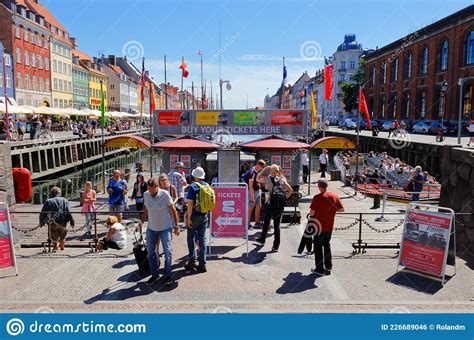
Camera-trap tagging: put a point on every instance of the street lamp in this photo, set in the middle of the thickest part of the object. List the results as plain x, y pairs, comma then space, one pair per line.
443, 89
228, 87
461, 95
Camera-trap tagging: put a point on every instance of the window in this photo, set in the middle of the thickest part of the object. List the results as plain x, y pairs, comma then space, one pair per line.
423, 105
8, 60
343, 65
443, 57
394, 106
384, 73
69, 86
34, 83
40, 40
46, 85
55, 84
19, 80
55, 102
41, 81
382, 106
40, 62
18, 55
33, 37
64, 68
61, 103
33, 59
342, 78
408, 66
27, 81
26, 34
27, 58
424, 62
62, 50
46, 64
470, 48
352, 64
394, 74
18, 31
69, 67
55, 66
60, 85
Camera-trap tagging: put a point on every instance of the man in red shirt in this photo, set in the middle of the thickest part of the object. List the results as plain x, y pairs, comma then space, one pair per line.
323, 209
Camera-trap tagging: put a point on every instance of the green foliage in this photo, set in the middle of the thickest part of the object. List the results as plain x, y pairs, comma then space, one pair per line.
351, 91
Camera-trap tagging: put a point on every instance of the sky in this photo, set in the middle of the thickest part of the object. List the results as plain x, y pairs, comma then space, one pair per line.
254, 35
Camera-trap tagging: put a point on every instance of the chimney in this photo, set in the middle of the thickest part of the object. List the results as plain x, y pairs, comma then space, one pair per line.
74, 42
112, 60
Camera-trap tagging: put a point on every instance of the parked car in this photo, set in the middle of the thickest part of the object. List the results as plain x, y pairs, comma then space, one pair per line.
452, 127
350, 123
436, 127
341, 124
374, 122
421, 127
387, 125
409, 124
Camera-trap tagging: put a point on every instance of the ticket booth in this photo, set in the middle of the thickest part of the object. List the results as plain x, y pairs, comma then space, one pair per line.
192, 152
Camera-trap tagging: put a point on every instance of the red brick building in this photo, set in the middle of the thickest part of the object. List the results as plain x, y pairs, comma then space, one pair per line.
417, 77
26, 36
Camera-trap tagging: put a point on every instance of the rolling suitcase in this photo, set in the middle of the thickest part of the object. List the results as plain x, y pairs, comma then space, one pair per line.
141, 256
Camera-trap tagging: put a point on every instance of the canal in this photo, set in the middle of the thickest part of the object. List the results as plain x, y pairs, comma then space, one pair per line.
72, 183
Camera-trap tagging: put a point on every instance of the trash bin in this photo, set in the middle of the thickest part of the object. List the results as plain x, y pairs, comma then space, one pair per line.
335, 175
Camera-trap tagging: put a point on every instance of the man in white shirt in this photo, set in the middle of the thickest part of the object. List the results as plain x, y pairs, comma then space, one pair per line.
323, 163
305, 163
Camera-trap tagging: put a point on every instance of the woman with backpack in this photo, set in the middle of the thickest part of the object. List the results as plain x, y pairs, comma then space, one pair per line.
279, 190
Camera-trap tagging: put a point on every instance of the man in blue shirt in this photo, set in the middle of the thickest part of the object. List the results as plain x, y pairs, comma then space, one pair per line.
117, 190
196, 222
418, 181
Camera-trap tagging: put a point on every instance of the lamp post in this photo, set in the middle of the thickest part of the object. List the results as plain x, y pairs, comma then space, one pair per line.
461, 95
228, 87
443, 89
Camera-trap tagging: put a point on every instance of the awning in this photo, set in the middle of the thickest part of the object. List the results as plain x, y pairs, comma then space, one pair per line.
186, 143
127, 141
273, 143
333, 143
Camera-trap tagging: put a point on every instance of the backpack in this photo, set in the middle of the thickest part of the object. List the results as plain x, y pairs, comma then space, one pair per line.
277, 196
206, 199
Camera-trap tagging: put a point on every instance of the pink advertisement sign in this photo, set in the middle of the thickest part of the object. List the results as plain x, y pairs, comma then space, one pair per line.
6, 253
229, 217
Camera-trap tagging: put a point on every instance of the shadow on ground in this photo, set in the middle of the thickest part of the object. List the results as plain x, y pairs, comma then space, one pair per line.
417, 282
297, 282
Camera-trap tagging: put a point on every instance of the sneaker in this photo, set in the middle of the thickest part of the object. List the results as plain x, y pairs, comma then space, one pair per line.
260, 242
152, 280
314, 271
190, 265
275, 250
258, 225
327, 272
202, 268
169, 281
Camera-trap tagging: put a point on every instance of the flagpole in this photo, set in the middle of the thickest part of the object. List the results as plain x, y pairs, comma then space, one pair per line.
152, 93
282, 86
166, 88
212, 99
357, 142
102, 123
182, 83
202, 86
192, 92
7, 117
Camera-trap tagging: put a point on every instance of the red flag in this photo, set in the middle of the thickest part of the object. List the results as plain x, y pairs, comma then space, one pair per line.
143, 81
363, 107
184, 69
328, 83
152, 100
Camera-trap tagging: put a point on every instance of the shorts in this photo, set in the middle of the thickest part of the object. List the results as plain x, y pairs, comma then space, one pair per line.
257, 199
107, 244
116, 209
58, 232
471, 134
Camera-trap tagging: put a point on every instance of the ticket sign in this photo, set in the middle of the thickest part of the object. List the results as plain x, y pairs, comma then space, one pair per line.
229, 217
7, 255
425, 241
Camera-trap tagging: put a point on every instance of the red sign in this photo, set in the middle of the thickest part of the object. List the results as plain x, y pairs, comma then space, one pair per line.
425, 242
173, 118
229, 217
287, 118
6, 253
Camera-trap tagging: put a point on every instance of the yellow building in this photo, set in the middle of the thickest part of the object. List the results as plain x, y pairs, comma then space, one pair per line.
95, 77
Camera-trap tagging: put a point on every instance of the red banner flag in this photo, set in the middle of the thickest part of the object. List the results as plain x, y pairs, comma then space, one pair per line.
152, 100
184, 69
363, 107
328, 83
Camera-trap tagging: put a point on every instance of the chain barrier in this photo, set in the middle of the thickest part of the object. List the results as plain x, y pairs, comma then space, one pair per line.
383, 231
353, 224
26, 231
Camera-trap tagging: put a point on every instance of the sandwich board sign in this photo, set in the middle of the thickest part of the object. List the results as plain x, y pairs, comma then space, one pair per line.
229, 218
425, 240
7, 251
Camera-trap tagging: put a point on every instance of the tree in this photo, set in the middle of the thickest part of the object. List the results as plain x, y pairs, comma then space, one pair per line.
350, 92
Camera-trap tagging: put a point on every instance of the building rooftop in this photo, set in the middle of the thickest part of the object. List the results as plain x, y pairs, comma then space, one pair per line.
349, 43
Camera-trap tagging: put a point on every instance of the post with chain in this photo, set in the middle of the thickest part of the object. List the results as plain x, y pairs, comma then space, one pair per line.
359, 241
95, 231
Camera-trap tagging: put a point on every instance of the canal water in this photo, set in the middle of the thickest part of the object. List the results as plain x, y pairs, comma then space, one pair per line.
72, 183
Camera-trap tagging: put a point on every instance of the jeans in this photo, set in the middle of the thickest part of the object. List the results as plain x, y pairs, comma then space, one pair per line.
199, 225
89, 220
322, 251
152, 238
275, 214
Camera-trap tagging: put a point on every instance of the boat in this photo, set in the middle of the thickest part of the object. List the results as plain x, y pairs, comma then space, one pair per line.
390, 183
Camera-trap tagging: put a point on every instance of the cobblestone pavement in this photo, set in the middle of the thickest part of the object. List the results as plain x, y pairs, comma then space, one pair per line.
77, 280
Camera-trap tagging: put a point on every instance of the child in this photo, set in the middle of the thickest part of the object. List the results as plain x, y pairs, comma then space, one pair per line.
88, 205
